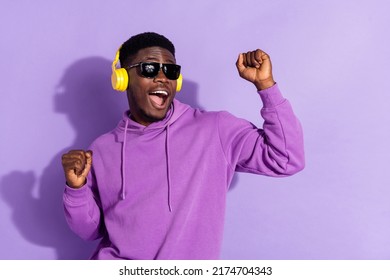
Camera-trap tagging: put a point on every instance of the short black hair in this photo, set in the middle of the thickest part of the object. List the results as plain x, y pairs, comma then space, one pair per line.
142, 41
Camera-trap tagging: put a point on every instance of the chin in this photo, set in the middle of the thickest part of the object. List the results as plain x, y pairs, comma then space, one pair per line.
155, 117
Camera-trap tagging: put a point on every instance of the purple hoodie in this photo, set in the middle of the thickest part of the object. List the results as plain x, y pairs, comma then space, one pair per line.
159, 192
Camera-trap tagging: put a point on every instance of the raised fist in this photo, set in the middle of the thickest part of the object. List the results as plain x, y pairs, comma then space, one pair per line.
76, 164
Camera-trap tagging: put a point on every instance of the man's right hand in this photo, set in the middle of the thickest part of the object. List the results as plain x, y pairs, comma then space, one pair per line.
76, 164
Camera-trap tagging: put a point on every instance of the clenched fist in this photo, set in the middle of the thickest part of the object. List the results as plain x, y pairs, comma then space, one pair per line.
76, 164
255, 66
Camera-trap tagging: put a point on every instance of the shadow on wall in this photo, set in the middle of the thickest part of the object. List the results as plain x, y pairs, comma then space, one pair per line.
189, 94
85, 96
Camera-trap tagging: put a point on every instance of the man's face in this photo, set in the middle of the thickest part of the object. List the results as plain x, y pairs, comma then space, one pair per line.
147, 100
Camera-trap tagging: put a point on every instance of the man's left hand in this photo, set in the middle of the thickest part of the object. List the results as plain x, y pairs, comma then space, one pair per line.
255, 66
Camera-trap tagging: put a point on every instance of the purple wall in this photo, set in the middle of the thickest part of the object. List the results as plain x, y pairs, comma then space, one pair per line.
331, 59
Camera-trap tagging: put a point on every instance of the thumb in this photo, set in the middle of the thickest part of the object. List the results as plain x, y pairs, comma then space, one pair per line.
240, 63
88, 164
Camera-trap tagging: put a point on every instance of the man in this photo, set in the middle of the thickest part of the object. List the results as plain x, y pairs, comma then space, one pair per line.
155, 186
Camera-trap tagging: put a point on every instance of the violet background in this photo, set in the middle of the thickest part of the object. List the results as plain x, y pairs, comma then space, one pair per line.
330, 58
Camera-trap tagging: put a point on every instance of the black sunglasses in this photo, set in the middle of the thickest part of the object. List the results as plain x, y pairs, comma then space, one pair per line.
151, 69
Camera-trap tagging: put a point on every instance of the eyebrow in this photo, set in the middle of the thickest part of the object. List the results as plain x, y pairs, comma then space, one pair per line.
155, 58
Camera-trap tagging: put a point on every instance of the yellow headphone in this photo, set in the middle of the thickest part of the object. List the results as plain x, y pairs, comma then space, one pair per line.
120, 78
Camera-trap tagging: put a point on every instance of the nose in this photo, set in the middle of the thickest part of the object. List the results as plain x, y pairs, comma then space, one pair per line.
160, 76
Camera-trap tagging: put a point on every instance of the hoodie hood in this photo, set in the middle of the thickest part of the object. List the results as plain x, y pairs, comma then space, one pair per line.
128, 126
177, 109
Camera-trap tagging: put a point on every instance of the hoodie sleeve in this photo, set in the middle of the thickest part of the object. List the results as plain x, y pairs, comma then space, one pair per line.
275, 150
82, 212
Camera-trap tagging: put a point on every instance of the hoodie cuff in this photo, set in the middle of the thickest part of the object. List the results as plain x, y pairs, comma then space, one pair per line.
75, 195
271, 97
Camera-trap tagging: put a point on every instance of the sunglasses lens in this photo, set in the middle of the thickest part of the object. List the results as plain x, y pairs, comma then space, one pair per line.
171, 71
150, 70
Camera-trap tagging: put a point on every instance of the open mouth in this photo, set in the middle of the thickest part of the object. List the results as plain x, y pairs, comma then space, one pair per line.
158, 98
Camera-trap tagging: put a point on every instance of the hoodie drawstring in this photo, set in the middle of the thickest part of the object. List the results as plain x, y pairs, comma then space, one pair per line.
169, 180
168, 170
123, 160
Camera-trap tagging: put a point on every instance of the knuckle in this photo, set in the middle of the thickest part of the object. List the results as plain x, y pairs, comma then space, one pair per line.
77, 165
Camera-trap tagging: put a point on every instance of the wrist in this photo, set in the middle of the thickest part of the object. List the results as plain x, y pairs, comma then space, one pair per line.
264, 84
76, 186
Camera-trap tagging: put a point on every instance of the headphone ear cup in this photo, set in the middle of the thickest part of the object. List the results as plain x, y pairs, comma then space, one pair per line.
179, 83
119, 79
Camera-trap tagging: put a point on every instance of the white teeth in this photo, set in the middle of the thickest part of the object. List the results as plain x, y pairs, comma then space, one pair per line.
163, 92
